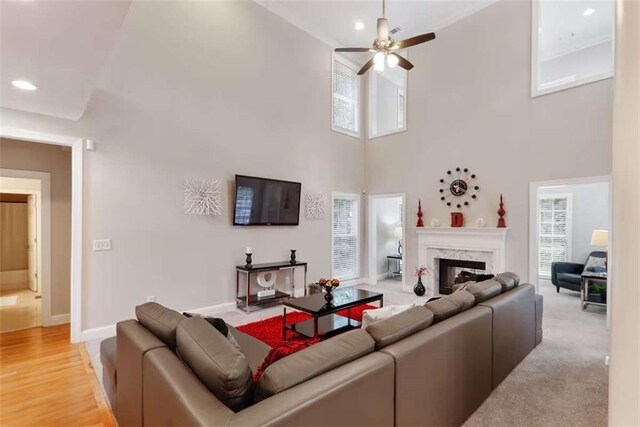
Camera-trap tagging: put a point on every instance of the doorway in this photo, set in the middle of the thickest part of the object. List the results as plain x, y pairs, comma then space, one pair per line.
20, 293
386, 241
569, 226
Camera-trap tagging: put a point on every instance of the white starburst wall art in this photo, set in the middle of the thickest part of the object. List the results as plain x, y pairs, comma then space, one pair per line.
202, 197
314, 205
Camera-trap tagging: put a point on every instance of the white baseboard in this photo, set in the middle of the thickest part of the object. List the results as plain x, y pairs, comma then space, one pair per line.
59, 319
98, 333
110, 330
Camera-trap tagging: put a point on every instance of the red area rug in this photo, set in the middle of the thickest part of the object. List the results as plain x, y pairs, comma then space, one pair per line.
269, 330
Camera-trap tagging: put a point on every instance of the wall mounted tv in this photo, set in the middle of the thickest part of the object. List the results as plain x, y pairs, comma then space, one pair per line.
261, 201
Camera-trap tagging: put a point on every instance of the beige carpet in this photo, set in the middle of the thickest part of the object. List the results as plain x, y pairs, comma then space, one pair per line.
564, 381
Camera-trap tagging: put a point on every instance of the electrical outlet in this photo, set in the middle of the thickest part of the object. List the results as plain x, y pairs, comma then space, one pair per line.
102, 245
151, 299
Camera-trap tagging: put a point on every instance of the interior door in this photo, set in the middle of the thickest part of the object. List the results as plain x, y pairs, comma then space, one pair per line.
33, 242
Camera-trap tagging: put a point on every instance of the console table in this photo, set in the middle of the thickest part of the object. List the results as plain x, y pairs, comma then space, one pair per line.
249, 302
587, 278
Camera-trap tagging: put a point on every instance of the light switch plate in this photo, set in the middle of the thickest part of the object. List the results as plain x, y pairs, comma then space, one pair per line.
102, 245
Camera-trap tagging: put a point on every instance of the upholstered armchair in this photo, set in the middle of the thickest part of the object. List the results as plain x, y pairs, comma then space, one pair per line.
567, 275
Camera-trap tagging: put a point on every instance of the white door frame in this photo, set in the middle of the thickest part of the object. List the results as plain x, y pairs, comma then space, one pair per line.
533, 225
76, 145
43, 232
372, 252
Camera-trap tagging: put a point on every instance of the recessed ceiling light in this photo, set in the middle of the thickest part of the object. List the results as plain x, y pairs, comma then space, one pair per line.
359, 25
589, 11
24, 85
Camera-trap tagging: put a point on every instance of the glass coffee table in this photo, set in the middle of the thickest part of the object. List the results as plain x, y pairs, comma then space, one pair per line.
326, 321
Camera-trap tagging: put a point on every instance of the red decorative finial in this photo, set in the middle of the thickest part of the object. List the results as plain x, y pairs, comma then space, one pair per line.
420, 223
501, 212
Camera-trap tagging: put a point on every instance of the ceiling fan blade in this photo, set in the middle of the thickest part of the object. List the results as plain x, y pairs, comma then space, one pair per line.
402, 62
353, 49
416, 40
366, 67
383, 29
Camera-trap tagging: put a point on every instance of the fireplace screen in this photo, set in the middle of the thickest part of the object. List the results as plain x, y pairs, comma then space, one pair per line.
448, 269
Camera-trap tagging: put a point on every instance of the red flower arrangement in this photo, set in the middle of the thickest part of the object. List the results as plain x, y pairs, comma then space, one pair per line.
421, 271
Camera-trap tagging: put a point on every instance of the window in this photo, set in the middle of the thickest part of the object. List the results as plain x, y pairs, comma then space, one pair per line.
345, 109
387, 101
554, 231
345, 236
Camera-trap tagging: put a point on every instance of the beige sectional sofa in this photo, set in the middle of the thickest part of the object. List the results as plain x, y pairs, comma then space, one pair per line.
428, 366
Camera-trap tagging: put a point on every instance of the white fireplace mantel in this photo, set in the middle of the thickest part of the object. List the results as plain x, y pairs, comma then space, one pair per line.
464, 243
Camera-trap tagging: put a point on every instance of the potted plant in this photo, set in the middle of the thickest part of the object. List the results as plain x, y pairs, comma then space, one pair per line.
601, 290
419, 288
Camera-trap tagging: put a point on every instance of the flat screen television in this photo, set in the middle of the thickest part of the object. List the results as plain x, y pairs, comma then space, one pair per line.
261, 201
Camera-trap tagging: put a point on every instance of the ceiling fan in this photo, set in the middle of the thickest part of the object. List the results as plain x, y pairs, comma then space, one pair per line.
384, 47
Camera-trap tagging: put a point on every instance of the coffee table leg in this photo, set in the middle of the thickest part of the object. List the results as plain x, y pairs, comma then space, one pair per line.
349, 316
315, 326
381, 301
284, 325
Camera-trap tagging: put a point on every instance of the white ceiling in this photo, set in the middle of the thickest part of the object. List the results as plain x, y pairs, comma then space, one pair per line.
61, 47
563, 27
334, 21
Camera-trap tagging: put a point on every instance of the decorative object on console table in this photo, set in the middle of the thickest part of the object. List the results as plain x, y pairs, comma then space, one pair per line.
420, 223
457, 219
601, 238
248, 261
419, 288
398, 234
501, 212
248, 301
292, 260
328, 286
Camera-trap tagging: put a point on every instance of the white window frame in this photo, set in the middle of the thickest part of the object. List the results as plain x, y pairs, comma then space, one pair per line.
358, 102
569, 227
373, 99
357, 198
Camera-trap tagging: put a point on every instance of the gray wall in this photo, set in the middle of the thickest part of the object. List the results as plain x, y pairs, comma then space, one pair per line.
230, 103
49, 158
470, 106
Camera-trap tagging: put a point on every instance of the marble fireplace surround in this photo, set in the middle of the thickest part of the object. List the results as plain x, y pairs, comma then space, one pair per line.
487, 245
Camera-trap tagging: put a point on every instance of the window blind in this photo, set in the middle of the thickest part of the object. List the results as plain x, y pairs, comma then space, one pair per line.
345, 237
345, 98
553, 237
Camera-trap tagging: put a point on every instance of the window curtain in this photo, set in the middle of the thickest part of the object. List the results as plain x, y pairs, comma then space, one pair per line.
14, 236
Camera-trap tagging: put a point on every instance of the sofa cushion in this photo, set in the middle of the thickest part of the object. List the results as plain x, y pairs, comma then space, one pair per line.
252, 348
216, 362
313, 361
443, 308
508, 280
161, 321
377, 314
284, 350
463, 298
576, 279
482, 291
399, 326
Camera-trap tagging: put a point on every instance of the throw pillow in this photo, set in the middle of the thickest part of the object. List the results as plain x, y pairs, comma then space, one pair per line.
378, 314
220, 325
595, 264
281, 351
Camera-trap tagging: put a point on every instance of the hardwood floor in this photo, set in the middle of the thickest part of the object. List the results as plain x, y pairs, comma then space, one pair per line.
47, 381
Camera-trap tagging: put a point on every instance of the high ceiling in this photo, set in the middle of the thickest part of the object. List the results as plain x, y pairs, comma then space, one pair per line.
61, 47
334, 21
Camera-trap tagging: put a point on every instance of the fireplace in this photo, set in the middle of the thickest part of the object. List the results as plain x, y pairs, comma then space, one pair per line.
478, 245
449, 268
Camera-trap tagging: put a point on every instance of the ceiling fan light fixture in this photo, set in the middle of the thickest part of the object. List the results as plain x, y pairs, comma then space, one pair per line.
378, 61
392, 61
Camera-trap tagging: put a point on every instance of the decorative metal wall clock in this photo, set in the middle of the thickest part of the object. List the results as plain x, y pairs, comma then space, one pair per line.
459, 188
